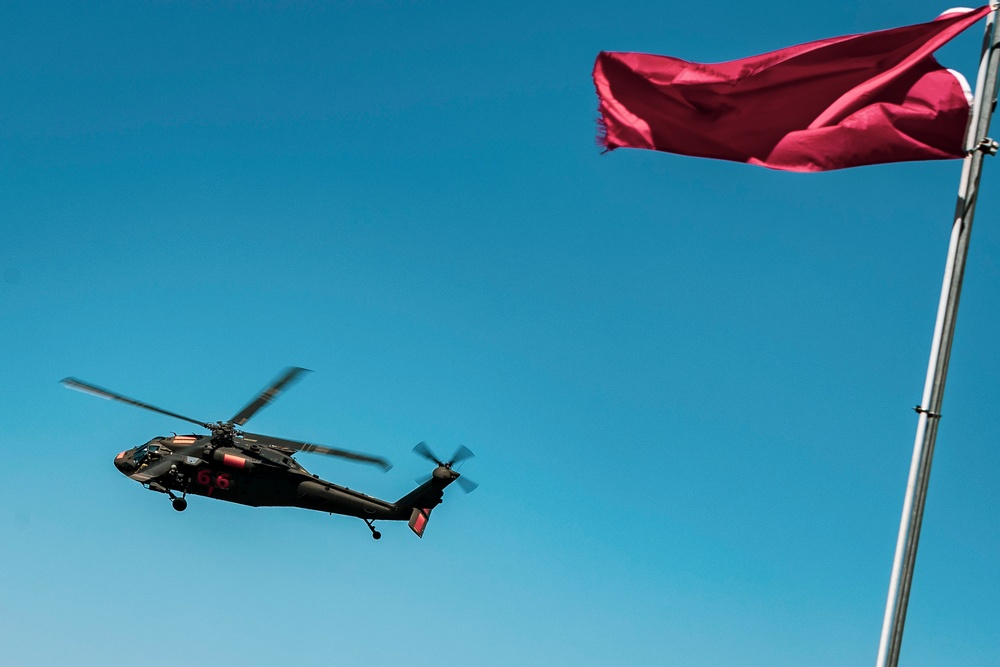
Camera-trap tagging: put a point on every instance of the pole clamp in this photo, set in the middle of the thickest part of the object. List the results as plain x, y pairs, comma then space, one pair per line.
921, 410
987, 146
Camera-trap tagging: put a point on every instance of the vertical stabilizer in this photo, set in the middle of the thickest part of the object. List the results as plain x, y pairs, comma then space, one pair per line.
418, 520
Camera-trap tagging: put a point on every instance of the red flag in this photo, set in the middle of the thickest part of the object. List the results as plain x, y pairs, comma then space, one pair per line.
835, 103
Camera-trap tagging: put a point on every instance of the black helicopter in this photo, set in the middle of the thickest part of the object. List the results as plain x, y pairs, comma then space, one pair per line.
259, 470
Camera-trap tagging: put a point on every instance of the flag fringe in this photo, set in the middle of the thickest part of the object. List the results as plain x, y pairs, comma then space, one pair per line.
602, 134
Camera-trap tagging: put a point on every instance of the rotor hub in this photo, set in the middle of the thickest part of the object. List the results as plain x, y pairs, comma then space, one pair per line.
444, 472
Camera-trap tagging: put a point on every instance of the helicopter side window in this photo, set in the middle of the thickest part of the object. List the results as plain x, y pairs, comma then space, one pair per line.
139, 454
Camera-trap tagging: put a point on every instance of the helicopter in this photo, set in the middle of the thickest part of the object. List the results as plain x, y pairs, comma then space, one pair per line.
237, 466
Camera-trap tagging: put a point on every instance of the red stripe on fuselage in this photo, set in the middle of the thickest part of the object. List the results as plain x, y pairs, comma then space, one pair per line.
234, 461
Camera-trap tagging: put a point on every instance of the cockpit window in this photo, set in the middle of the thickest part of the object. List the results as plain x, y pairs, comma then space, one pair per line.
139, 454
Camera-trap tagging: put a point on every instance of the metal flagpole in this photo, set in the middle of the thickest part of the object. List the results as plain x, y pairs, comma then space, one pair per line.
944, 330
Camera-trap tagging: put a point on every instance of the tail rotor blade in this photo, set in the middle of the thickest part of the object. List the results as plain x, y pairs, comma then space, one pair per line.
423, 450
461, 454
467, 484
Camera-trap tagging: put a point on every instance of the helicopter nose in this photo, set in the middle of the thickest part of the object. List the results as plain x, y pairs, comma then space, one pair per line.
120, 461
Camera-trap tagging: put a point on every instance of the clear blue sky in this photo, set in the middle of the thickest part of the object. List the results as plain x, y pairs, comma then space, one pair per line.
688, 383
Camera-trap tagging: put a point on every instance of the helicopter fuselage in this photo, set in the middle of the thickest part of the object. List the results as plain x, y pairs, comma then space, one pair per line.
260, 470
248, 475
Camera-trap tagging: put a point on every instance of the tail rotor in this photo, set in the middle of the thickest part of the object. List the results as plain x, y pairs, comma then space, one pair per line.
463, 453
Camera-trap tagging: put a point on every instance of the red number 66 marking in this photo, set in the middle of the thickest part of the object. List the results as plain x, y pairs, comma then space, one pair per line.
221, 480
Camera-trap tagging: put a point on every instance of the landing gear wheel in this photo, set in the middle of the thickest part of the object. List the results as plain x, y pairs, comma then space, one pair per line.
376, 535
179, 504
371, 526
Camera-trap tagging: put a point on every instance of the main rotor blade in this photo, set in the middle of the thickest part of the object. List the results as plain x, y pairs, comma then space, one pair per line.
94, 390
423, 450
316, 449
268, 395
